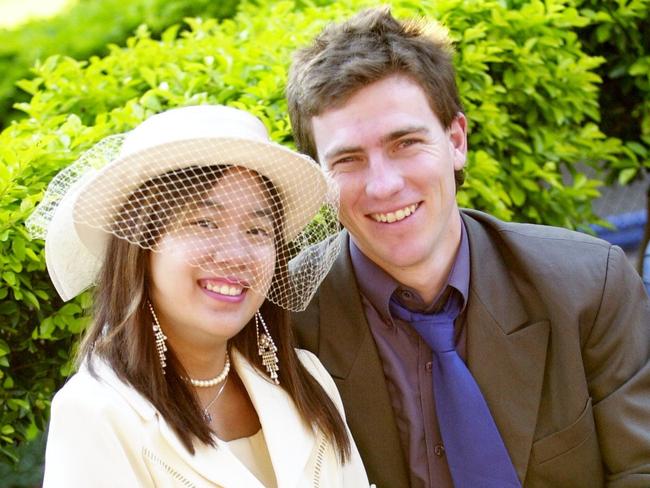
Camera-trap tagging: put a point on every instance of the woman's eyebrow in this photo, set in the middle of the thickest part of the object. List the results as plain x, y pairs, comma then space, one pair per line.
264, 212
211, 204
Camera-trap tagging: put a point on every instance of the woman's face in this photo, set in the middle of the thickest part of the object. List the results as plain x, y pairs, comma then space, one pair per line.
215, 263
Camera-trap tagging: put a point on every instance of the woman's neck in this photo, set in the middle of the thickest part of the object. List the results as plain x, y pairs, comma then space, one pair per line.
200, 361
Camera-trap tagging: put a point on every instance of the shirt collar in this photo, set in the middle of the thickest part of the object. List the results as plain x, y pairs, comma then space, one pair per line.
378, 286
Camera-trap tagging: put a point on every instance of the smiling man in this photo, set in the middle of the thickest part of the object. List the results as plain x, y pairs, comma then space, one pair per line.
469, 352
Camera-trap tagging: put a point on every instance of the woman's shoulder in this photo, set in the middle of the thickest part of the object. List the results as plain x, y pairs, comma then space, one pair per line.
98, 392
83, 388
313, 365
311, 362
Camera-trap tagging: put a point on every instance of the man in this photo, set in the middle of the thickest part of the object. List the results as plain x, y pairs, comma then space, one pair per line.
547, 380
645, 259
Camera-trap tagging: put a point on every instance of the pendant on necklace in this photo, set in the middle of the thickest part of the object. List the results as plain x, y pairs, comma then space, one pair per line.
207, 416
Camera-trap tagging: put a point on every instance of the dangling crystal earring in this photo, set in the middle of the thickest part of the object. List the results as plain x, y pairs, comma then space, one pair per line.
266, 349
161, 345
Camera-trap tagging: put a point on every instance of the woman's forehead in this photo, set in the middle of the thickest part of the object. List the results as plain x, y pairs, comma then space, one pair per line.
238, 189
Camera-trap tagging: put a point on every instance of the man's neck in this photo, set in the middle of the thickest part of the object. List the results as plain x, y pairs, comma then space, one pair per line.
429, 276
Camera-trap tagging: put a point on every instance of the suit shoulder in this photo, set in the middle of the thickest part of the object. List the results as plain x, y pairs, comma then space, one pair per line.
541, 242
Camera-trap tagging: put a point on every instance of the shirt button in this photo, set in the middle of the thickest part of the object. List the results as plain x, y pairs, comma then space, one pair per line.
439, 450
428, 367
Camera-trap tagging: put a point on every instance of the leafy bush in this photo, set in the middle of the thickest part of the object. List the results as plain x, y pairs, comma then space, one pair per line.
620, 31
85, 29
529, 90
28, 472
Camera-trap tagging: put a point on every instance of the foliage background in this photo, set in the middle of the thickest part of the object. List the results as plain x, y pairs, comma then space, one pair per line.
529, 72
87, 28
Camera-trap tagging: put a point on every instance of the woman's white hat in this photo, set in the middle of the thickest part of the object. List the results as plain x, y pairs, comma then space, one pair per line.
78, 210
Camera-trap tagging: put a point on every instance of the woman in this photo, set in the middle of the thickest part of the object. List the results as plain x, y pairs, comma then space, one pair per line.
188, 376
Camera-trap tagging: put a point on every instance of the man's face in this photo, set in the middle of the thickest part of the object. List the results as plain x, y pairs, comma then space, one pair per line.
395, 166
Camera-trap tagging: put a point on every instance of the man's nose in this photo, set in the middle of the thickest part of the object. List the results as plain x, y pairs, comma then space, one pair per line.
383, 179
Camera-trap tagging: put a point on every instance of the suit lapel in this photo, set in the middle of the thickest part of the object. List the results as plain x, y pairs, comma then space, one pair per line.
506, 348
347, 350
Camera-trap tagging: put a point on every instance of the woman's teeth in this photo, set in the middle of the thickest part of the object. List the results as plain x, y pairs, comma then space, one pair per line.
224, 289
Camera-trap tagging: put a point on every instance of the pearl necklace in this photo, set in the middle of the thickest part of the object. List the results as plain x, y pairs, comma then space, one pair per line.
214, 381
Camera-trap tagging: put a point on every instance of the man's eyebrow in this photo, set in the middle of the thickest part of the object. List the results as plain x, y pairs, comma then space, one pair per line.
405, 131
391, 136
337, 151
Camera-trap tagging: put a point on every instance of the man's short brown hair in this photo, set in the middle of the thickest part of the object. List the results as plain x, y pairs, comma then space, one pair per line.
367, 48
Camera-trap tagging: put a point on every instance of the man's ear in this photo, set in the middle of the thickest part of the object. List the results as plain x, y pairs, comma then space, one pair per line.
457, 134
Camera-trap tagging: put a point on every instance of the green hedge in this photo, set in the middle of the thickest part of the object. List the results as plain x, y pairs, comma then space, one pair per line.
530, 92
87, 28
620, 31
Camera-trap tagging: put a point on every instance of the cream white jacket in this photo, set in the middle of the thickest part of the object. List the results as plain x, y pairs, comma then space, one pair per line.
103, 433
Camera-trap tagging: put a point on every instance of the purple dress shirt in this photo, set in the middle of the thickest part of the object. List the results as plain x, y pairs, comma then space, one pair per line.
406, 359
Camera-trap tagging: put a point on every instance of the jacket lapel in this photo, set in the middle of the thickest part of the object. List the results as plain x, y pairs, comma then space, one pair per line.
163, 443
506, 348
289, 440
347, 350
217, 465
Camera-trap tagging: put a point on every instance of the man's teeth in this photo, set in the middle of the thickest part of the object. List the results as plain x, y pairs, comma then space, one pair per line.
230, 290
391, 217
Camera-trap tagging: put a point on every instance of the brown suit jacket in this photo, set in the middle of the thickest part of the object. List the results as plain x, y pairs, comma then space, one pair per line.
558, 339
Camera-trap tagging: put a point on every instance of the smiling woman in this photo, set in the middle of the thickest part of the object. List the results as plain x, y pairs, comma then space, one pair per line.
186, 226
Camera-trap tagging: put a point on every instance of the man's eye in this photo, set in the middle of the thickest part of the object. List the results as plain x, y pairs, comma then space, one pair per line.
407, 142
344, 160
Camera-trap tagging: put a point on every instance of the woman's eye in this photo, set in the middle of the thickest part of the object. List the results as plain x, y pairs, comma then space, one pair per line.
205, 224
259, 231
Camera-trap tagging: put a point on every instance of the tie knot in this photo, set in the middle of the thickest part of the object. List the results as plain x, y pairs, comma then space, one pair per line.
437, 329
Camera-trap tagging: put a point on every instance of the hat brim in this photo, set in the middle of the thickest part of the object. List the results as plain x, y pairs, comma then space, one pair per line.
299, 181
70, 264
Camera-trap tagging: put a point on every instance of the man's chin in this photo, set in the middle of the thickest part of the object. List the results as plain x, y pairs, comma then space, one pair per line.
396, 257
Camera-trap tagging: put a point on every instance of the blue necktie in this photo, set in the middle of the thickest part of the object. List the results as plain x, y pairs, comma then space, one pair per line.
476, 454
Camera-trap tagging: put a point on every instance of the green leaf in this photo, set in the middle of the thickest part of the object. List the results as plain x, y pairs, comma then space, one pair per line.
9, 278
4, 348
627, 175
518, 196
